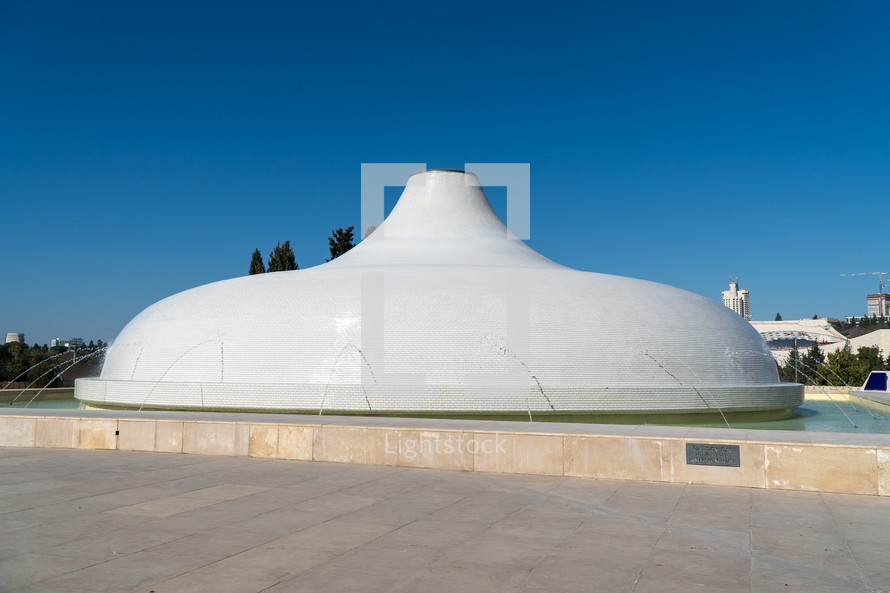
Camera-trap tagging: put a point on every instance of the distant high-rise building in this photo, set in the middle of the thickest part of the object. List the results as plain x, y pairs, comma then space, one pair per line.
736, 299
879, 305
70, 343
14, 337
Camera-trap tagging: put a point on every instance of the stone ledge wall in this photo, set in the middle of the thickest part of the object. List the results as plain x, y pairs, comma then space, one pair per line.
792, 464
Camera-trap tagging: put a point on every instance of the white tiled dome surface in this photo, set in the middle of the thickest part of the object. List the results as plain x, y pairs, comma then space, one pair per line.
440, 310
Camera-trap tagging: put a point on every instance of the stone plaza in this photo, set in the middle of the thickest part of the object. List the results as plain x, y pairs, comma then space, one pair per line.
115, 521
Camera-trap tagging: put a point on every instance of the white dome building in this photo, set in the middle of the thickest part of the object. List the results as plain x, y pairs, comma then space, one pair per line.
441, 311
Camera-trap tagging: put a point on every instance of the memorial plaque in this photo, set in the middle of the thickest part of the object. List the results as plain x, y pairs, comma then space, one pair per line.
707, 454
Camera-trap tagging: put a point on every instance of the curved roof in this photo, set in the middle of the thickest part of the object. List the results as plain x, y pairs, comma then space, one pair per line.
442, 310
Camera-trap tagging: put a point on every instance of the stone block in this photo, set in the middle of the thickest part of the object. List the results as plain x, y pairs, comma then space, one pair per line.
436, 449
883, 472
295, 442
210, 438
826, 468
750, 473
57, 433
340, 444
242, 440
168, 436
263, 440
136, 435
17, 431
383, 445
617, 458
518, 453
97, 433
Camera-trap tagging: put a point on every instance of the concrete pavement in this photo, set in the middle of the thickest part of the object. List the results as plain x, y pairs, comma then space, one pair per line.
80, 520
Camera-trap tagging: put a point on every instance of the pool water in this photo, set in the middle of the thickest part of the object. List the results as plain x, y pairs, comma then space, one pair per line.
56, 405
824, 416
816, 416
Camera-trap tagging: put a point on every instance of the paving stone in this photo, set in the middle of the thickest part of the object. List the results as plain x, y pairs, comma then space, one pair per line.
336, 504
215, 580
335, 536
130, 521
282, 521
27, 569
130, 572
325, 581
399, 511
871, 558
436, 533
216, 543
479, 577
108, 545
812, 572
660, 578
385, 556
602, 570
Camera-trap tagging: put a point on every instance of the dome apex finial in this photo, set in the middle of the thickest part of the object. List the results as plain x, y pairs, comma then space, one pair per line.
433, 171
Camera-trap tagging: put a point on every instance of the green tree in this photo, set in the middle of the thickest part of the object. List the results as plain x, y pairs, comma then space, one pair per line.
340, 242
256, 263
871, 359
844, 368
854, 368
16, 358
778, 317
790, 371
811, 363
281, 259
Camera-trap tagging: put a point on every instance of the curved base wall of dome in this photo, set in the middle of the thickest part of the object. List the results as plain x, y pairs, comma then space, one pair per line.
398, 399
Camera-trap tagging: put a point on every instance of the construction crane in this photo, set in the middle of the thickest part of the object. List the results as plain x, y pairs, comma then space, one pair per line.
880, 276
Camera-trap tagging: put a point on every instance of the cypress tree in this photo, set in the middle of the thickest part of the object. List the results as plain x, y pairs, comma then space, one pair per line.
790, 373
256, 263
281, 259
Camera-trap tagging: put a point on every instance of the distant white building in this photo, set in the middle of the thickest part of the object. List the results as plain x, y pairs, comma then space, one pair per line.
71, 343
879, 339
736, 299
879, 305
782, 336
14, 337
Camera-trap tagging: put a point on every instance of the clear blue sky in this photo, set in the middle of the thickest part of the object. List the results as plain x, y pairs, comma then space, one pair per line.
146, 148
